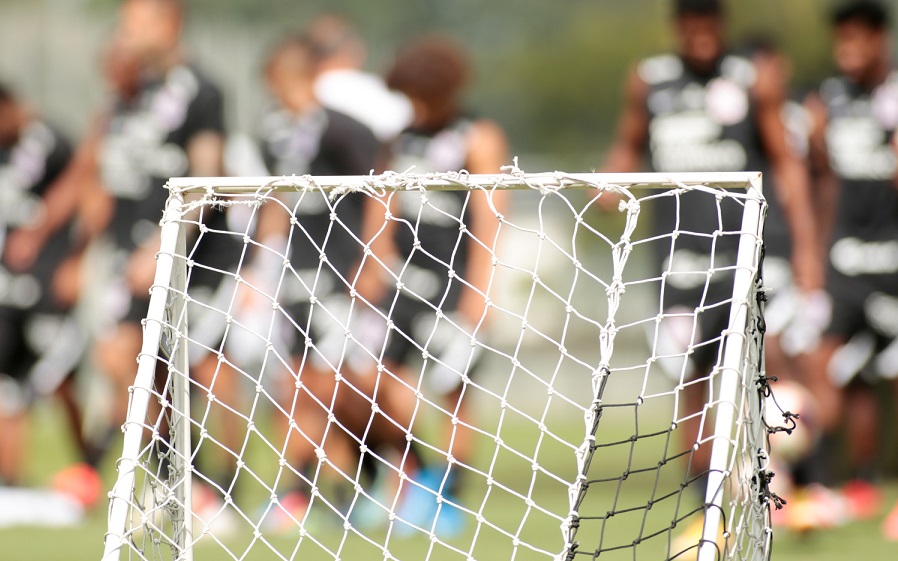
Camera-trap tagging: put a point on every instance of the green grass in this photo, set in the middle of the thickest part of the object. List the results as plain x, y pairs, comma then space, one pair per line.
50, 452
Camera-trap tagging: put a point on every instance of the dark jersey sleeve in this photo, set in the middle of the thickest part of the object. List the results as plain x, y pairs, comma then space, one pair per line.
57, 160
206, 111
352, 143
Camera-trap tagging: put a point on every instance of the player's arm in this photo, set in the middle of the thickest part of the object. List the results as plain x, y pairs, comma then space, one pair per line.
379, 234
61, 202
363, 154
826, 185
205, 153
792, 179
487, 153
625, 154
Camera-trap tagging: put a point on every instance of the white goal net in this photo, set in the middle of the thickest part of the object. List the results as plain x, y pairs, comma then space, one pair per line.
452, 366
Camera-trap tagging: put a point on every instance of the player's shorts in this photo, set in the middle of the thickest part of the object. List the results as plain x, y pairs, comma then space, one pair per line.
318, 315
217, 255
688, 339
40, 341
38, 351
438, 344
696, 311
859, 305
868, 355
210, 316
863, 283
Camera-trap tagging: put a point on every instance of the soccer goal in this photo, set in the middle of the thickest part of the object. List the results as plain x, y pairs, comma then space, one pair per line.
451, 366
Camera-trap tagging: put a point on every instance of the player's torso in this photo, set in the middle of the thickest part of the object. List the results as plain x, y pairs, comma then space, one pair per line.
436, 215
859, 133
26, 170
701, 123
145, 144
316, 143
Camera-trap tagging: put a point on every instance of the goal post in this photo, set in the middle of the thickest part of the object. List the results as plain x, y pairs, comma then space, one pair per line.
361, 367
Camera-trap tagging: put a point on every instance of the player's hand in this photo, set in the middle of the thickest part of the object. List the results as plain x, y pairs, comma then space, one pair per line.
23, 247
813, 315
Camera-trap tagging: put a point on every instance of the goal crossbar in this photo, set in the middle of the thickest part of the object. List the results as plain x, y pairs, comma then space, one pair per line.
539, 181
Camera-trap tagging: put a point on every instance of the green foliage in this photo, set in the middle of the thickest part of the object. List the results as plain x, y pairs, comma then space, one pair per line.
550, 72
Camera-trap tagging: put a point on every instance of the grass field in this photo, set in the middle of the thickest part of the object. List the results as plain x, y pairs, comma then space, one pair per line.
858, 540
50, 452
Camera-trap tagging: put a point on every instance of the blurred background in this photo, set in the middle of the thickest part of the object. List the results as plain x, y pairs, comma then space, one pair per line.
549, 72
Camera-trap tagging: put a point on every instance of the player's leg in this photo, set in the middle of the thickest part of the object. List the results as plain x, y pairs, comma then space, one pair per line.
13, 437
864, 412
418, 330
215, 380
862, 427
308, 424
794, 328
691, 333
213, 367
701, 340
15, 397
890, 523
58, 342
841, 355
115, 354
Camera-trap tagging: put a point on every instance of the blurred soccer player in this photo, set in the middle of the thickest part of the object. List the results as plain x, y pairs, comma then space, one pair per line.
855, 118
40, 341
300, 136
173, 127
69, 211
706, 109
794, 326
343, 86
432, 310
166, 120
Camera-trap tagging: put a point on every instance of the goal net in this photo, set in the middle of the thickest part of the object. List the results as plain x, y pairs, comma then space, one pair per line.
451, 366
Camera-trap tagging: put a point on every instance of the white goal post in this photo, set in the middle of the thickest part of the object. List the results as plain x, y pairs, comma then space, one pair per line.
272, 416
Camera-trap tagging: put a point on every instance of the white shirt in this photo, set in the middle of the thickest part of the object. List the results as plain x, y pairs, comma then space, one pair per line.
365, 98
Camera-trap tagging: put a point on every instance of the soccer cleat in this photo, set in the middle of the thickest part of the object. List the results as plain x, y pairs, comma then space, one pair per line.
372, 512
211, 511
287, 514
816, 507
420, 507
80, 482
863, 499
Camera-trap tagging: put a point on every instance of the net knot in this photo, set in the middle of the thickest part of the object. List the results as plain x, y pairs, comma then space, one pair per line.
628, 205
371, 187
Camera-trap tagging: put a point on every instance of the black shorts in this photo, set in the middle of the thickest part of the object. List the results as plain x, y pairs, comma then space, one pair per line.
217, 252
862, 303
315, 305
861, 279
31, 318
39, 350
710, 311
435, 343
